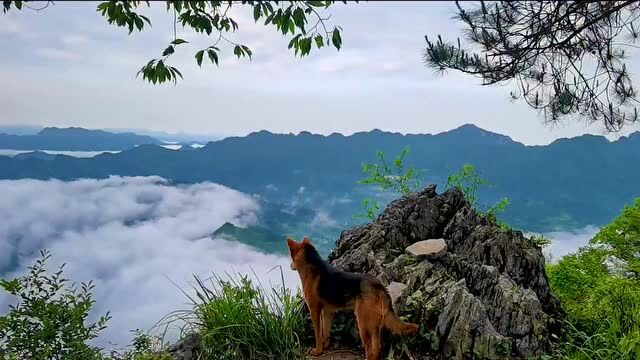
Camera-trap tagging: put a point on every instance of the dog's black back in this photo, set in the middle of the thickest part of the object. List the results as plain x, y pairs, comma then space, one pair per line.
339, 288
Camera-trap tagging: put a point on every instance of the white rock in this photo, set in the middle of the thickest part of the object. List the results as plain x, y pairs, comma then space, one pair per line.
428, 247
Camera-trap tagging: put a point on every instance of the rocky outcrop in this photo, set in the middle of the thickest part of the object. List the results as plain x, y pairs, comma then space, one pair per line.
477, 291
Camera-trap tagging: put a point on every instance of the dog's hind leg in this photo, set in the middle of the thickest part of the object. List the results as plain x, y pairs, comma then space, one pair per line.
376, 341
374, 328
363, 330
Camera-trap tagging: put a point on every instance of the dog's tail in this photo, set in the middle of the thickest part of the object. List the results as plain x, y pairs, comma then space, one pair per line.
392, 322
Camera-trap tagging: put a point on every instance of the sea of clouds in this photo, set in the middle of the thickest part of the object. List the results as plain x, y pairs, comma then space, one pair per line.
134, 237
137, 236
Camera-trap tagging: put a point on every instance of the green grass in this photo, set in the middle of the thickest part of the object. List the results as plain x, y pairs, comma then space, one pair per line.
240, 319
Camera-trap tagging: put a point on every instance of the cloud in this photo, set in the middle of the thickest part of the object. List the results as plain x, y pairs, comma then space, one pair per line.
74, 39
566, 242
10, 26
56, 54
358, 61
323, 219
130, 235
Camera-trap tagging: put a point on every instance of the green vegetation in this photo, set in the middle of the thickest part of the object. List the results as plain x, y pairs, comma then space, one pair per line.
389, 177
49, 320
469, 182
402, 180
143, 347
238, 319
392, 176
600, 291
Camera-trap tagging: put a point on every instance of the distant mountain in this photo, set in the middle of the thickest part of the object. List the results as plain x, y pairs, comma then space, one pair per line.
35, 154
566, 184
174, 137
19, 129
74, 139
259, 238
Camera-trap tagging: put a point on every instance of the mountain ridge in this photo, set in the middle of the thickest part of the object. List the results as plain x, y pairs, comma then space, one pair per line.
75, 139
559, 186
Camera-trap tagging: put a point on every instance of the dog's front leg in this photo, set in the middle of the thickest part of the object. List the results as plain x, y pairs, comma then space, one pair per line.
326, 318
316, 309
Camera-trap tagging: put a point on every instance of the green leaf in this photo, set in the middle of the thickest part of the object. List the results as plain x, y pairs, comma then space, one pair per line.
305, 46
269, 19
199, 55
319, 41
256, 12
102, 7
268, 6
247, 51
298, 17
292, 27
178, 41
213, 56
145, 19
294, 41
336, 39
168, 51
237, 50
139, 23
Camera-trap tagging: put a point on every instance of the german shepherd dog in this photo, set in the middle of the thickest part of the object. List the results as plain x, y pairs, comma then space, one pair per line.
327, 290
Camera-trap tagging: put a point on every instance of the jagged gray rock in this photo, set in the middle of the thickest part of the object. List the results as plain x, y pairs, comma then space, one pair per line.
187, 348
487, 296
395, 290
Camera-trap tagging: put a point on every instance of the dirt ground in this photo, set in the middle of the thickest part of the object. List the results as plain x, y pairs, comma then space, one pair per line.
338, 355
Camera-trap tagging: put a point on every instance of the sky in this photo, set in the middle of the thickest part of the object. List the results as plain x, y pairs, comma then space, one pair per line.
65, 66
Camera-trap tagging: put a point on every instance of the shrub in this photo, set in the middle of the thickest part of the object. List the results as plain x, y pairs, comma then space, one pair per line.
49, 318
142, 347
600, 291
395, 177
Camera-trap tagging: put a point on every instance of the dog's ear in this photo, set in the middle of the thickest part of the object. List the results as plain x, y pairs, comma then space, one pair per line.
291, 243
306, 240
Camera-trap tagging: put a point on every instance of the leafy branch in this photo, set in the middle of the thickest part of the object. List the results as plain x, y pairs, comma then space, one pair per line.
566, 58
212, 18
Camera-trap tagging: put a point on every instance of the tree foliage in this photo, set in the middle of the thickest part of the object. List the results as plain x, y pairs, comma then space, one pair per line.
564, 57
600, 292
304, 22
621, 238
49, 320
